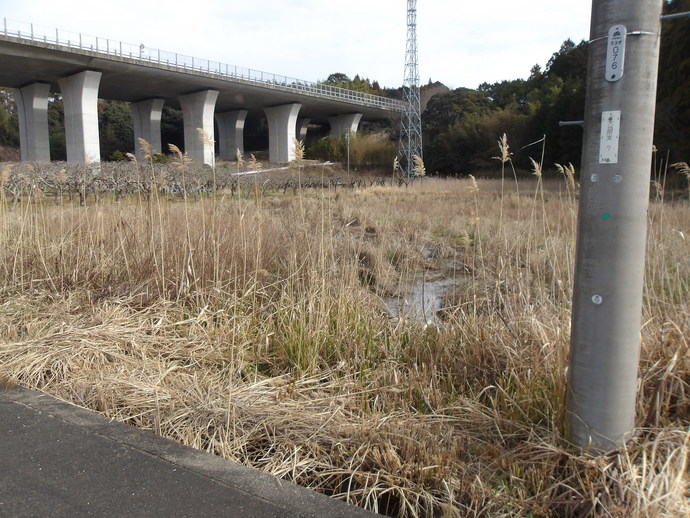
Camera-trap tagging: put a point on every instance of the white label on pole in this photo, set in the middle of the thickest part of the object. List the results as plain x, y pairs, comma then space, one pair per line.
615, 53
610, 135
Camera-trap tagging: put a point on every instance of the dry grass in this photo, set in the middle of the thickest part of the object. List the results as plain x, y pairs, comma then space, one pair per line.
254, 328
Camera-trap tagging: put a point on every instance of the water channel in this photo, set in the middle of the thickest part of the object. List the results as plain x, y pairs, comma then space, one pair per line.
425, 293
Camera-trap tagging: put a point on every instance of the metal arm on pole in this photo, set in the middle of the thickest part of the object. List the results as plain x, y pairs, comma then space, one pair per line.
677, 15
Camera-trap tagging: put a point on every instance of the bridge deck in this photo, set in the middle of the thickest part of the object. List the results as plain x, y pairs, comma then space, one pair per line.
133, 73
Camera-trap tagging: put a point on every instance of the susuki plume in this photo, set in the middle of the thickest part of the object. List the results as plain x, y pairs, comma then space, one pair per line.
298, 149
419, 169
536, 167
505, 149
568, 173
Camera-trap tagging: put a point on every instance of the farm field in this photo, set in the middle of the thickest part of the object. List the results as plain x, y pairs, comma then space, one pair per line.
255, 323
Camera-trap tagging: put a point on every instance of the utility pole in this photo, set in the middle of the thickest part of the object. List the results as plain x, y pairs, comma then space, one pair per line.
347, 141
612, 222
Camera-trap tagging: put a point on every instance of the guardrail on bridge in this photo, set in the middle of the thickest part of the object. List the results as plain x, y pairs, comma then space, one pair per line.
108, 47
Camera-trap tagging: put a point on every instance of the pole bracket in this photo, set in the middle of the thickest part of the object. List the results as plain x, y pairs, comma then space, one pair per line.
571, 123
677, 15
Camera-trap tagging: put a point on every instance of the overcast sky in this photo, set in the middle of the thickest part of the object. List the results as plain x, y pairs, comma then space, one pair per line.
461, 43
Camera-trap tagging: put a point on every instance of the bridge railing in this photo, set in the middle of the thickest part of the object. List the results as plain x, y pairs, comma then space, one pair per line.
182, 62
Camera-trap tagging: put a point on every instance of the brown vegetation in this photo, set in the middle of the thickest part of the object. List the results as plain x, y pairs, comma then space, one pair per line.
251, 325
8, 154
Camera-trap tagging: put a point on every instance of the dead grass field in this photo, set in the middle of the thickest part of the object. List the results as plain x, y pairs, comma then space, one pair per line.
252, 325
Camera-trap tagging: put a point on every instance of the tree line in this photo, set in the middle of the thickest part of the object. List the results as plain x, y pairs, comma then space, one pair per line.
461, 128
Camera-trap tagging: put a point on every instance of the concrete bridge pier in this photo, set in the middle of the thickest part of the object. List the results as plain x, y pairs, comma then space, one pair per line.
345, 123
282, 124
302, 126
146, 116
80, 100
32, 111
197, 110
231, 133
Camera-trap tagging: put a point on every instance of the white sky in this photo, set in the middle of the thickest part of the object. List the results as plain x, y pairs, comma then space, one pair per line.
460, 43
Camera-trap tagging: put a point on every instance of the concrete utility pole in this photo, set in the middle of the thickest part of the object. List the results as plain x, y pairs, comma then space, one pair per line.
612, 223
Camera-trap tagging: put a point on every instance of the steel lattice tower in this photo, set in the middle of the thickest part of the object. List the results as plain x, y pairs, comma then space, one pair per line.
411, 122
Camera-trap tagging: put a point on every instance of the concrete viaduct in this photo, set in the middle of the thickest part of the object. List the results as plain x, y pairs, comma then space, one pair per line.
36, 61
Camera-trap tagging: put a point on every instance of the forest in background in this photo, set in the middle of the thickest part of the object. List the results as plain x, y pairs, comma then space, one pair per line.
460, 127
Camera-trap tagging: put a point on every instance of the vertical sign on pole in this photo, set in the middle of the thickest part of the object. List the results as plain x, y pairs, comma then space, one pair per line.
615, 52
612, 222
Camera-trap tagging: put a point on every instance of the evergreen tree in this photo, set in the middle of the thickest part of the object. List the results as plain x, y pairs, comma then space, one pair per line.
9, 126
115, 128
56, 127
672, 131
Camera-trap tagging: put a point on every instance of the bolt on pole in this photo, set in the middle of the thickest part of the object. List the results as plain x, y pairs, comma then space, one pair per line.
612, 222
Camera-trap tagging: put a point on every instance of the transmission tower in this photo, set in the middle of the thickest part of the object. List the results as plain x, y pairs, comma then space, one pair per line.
411, 121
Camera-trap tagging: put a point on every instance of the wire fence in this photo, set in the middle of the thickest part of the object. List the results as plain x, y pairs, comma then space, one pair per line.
190, 64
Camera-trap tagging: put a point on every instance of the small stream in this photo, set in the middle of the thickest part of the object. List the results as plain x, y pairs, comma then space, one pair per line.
423, 300
425, 294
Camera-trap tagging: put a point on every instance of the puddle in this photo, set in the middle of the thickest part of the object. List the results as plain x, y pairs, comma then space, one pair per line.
423, 300
426, 290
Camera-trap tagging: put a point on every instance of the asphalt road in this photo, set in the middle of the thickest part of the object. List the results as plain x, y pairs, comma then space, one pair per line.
57, 459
